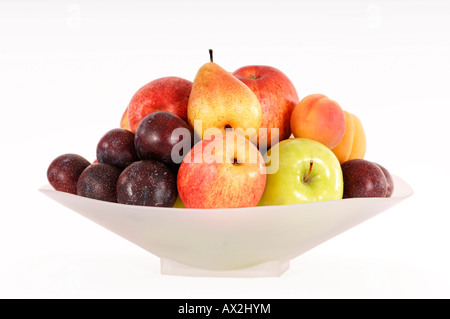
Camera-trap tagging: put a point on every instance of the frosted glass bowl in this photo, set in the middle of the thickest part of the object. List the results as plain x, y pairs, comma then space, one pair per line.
244, 242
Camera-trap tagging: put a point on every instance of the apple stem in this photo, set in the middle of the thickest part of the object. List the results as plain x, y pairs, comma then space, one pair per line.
305, 179
211, 55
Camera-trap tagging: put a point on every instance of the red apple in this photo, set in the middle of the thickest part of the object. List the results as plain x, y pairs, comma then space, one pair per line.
277, 96
165, 94
222, 171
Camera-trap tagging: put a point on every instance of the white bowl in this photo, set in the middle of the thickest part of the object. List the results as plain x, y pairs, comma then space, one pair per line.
244, 242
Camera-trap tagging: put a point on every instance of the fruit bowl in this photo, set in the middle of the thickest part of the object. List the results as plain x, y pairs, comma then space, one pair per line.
244, 242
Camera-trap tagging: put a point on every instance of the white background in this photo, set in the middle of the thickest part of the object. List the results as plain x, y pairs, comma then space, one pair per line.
69, 68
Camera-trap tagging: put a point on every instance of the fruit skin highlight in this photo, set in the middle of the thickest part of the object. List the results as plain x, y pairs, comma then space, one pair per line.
318, 118
307, 172
226, 176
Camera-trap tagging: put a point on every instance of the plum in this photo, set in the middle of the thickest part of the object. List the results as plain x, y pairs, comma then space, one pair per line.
363, 178
64, 171
98, 181
389, 179
147, 183
116, 147
155, 138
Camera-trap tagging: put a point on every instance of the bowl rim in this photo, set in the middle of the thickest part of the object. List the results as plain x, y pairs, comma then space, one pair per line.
406, 191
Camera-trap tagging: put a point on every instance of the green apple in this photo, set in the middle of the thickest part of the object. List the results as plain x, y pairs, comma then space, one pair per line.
308, 171
178, 203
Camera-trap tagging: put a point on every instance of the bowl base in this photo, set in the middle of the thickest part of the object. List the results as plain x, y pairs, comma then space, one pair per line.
267, 269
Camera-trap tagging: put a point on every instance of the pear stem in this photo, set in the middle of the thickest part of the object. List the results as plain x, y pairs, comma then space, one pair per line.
211, 55
305, 179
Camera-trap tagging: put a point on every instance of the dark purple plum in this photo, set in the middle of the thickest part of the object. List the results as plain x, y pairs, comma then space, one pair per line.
390, 181
156, 137
98, 181
363, 178
147, 183
116, 147
64, 171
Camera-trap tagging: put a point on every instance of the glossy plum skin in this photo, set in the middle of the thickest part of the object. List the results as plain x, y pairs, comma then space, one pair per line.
389, 179
64, 171
117, 148
154, 138
147, 183
98, 181
363, 178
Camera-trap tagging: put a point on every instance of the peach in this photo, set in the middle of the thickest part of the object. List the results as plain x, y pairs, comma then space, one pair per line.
318, 118
124, 121
353, 143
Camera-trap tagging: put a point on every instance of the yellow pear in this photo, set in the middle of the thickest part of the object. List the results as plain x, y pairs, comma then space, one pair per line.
219, 101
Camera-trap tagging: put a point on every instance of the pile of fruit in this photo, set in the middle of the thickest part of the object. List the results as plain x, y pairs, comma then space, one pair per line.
226, 140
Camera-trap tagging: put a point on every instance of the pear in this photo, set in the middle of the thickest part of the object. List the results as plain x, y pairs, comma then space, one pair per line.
222, 102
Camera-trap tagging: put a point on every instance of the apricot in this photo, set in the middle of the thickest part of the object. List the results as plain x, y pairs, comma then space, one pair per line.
359, 141
344, 148
318, 118
353, 143
124, 121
